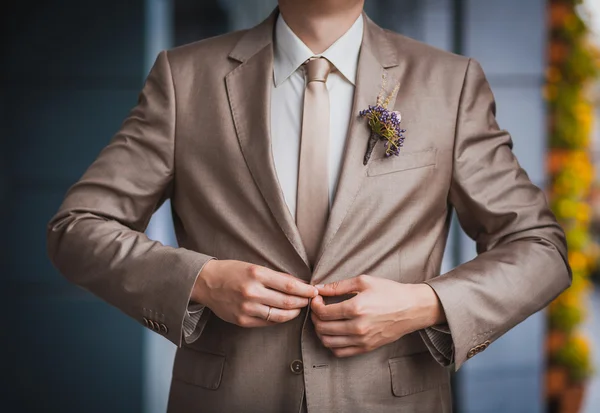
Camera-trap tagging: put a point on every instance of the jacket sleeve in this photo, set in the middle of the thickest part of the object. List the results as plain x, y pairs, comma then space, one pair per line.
97, 240
522, 255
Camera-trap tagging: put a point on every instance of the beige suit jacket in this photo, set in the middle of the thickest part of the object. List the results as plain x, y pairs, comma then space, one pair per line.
199, 135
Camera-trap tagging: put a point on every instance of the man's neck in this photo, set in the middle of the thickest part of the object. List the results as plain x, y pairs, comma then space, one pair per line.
319, 23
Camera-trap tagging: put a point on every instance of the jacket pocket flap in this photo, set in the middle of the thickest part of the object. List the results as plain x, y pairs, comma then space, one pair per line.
416, 373
199, 368
402, 162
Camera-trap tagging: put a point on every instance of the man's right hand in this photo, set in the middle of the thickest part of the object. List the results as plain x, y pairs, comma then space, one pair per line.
241, 293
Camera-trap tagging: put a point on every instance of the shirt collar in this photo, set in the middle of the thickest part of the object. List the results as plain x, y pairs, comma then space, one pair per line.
290, 52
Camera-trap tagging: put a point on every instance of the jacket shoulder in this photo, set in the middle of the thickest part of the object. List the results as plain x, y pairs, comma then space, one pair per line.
425, 53
210, 50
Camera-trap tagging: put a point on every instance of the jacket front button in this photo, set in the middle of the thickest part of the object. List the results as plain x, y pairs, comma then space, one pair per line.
296, 367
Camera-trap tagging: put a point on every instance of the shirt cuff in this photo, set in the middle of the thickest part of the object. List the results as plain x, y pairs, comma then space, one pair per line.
442, 328
191, 332
439, 343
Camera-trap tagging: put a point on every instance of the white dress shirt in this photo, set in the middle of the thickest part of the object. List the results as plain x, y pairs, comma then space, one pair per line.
287, 100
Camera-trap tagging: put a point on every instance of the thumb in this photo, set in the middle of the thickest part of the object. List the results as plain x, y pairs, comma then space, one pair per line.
347, 286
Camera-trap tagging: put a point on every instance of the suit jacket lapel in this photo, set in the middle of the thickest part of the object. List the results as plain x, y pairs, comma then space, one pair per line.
376, 56
249, 92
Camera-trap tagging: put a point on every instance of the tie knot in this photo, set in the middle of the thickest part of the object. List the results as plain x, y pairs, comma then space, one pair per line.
317, 69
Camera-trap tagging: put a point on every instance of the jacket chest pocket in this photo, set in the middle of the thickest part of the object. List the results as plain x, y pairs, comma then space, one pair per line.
404, 161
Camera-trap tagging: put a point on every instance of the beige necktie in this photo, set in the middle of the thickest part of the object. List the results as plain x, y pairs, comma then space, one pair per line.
312, 204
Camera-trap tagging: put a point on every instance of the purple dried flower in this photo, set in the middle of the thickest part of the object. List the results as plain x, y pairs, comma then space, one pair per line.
384, 125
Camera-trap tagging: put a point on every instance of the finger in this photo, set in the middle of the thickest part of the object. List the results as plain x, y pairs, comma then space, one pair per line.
340, 341
318, 300
288, 284
340, 311
348, 351
350, 285
261, 311
280, 300
334, 328
279, 315
251, 322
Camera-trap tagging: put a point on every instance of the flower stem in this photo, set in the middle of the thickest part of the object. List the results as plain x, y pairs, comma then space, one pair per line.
370, 145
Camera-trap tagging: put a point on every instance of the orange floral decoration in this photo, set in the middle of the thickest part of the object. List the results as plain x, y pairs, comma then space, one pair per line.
572, 67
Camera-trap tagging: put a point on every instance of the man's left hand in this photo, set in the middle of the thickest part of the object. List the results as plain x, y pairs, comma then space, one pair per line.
381, 312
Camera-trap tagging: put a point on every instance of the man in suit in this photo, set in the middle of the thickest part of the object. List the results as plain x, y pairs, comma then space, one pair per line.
307, 279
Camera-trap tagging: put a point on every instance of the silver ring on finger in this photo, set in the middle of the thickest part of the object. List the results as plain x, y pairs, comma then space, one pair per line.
269, 313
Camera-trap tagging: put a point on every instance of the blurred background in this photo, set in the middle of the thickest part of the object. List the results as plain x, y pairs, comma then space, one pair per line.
70, 72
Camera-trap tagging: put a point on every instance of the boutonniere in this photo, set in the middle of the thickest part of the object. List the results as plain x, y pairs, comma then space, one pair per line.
384, 124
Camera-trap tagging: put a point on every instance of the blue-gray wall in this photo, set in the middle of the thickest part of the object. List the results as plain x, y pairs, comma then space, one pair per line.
70, 72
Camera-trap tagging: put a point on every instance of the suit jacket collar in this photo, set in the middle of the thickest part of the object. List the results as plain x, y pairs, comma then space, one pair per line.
249, 92
375, 38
